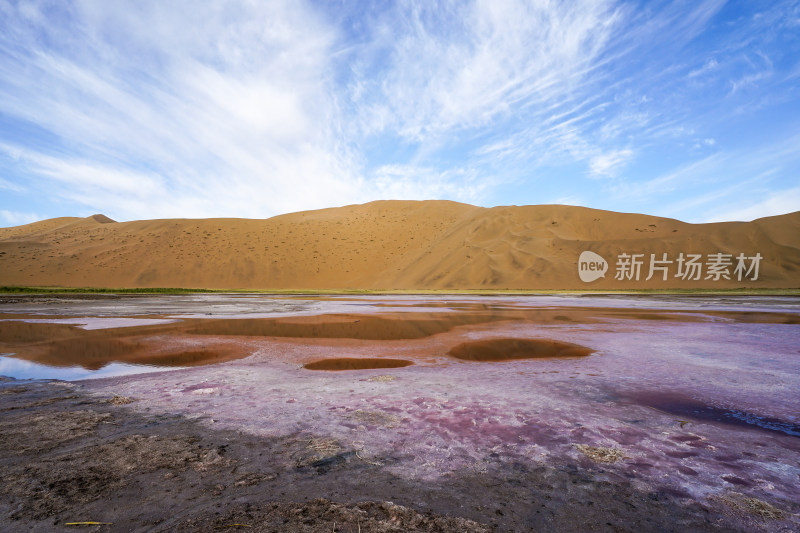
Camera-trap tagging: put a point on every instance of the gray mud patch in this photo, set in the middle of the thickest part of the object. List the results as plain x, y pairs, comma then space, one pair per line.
324, 516
51, 429
142, 472
57, 484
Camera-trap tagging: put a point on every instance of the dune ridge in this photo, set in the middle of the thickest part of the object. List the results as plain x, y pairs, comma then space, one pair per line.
391, 245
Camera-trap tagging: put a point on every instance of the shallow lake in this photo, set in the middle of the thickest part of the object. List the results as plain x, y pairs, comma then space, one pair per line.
696, 395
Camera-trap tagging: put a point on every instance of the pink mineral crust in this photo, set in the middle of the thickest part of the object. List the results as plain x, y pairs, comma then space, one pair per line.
698, 408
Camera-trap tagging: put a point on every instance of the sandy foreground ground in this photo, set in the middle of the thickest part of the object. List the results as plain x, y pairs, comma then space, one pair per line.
682, 414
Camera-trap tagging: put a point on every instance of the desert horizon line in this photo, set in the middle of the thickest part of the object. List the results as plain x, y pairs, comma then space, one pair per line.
431, 200
406, 245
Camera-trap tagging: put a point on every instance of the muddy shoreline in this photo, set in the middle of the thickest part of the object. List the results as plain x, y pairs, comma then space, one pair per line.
508, 414
70, 456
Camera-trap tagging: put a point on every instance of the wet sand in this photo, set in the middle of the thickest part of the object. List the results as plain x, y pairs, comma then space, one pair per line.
545, 414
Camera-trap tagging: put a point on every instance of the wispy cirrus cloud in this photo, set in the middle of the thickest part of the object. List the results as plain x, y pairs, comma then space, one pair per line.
230, 117
609, 164
772, 203
472, 62
16, 218
421, 183
234, 108
243, 115
7, 185
725, 185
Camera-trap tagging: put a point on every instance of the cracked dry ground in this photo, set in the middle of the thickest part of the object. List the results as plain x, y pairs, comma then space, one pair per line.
69, 457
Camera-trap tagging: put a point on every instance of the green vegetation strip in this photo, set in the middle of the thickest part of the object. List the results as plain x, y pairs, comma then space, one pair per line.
95, 290
442, 292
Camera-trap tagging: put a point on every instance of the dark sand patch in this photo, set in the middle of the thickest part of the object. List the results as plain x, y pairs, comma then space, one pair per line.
510, 349
356, 363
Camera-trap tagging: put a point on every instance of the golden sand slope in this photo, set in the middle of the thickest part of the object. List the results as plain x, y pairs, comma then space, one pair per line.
387, 245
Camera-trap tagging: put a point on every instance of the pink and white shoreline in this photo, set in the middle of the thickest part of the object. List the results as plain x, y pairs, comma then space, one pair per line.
700, 408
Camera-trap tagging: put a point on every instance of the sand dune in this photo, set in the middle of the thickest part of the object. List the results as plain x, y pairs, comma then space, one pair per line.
395, 245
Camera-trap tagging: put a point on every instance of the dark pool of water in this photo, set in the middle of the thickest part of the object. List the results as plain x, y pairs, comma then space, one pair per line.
356, 363
365, 327
507, 349
689, 408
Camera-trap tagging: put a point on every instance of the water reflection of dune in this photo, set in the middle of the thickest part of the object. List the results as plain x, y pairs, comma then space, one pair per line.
195, 341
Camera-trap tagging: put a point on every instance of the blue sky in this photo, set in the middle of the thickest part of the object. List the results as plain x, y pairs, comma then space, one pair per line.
153, 109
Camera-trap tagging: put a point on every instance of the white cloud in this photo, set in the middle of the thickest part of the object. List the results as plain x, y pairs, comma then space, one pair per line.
420, 183
610, 163
708, 168
567, 200
232, 116
707, 67
459, 65
774, 203
7, 185
237, 116
17, 218
725, 185
240, 108
748, 80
